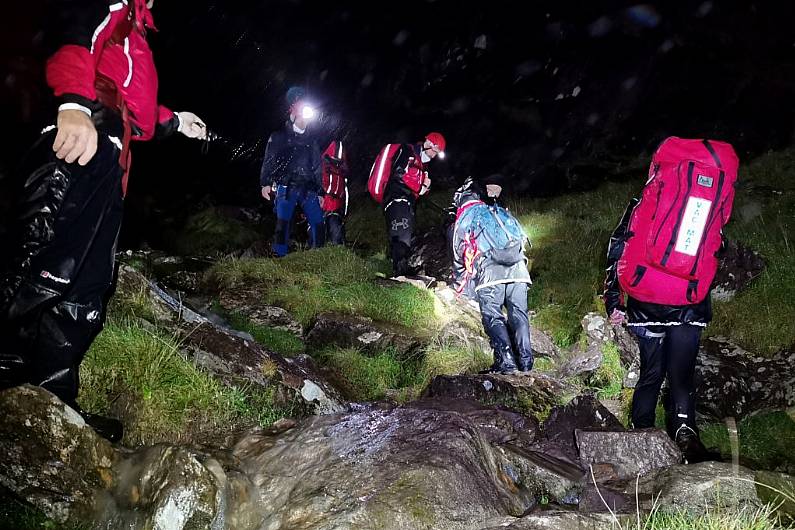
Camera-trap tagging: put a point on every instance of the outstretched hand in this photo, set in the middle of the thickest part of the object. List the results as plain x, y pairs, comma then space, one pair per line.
191, 125
76, 138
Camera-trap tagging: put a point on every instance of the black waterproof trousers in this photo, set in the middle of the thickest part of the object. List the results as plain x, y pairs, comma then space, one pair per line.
335, 227
58, 272
399, 215
666, 351
509, 337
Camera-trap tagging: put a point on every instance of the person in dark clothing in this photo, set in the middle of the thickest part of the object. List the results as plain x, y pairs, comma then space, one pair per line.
58, 269
668, 339
408, 180
484, 275
335, 188
291, 170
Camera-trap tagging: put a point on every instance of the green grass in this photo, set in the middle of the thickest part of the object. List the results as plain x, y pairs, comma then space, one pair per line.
162, 395
767, 441
210, 232
762, 518
569, 235
277, 340
609, 377
762, 318
328, 279
385, 375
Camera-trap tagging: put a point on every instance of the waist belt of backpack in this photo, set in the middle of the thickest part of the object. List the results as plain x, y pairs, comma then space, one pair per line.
110, 96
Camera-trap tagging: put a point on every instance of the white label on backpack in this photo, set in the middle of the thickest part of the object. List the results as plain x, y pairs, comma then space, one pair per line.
705, 181
693, 223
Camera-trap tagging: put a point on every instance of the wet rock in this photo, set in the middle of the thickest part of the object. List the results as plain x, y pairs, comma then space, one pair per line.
627, 453
239, 361
582, 361
461, 327
632, 375
429, 255
737, 268
351, 331
733, 382
234, 359
558, 431
560, 520
248, 303
161, 487
417, 466
51, 458
542, 344
697, 487
533, 394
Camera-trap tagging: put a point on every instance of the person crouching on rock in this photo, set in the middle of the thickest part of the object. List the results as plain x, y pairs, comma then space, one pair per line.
489, 266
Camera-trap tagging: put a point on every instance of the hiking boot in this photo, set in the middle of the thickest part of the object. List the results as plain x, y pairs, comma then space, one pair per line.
109, 428
691, 447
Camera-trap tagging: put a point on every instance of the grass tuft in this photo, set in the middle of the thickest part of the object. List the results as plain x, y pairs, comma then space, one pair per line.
162, 395
211, 232
328, 279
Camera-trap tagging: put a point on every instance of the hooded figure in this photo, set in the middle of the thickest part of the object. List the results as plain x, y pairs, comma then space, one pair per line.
489, 266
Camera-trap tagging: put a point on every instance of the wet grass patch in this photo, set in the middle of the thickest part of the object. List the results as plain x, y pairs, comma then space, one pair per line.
766, 441
387, 375
278, 340
330, 279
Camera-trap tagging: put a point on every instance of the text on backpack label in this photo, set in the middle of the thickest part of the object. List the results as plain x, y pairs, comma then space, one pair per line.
693, 223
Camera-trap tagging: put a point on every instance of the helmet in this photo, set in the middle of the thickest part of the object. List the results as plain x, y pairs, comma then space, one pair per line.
436, 139
294, 93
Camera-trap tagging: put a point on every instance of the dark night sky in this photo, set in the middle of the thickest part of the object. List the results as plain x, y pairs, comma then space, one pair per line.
569, 84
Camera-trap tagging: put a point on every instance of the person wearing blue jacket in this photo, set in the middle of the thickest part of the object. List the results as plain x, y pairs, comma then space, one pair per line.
291, 170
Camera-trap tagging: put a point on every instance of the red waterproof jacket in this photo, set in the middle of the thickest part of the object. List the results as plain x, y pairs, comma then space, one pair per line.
109, 39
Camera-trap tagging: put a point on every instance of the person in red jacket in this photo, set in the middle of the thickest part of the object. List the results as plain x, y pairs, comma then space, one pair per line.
335, 188
58, 273
408, 180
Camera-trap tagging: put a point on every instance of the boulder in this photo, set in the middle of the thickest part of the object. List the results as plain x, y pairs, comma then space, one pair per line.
738, 265
533, 394
697, 487
418, 466
351, 331
239, 361
732, 382
56, 462
51, 458
558, 430
248, 303
621, 455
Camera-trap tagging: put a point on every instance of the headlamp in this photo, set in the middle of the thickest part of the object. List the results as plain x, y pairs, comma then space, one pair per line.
308, 112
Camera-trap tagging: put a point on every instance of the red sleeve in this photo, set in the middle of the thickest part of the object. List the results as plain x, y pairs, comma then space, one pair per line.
83, 28
164, 114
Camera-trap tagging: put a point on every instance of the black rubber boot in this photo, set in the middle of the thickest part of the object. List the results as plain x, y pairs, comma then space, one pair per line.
693, 451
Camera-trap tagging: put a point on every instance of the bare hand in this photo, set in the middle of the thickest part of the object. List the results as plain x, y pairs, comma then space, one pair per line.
266, 192
617, 317
76, 138
426, 185
191, 125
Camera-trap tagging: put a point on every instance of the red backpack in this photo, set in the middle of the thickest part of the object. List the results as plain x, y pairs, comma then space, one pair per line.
335, 181
381, 171
675, 230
